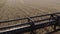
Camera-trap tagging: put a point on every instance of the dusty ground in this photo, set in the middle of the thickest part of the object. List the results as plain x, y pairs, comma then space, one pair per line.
11, 9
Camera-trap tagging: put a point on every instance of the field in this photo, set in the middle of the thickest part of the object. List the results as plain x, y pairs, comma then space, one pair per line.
13, 9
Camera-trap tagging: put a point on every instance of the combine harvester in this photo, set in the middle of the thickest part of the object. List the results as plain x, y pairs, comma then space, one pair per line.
31, 26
